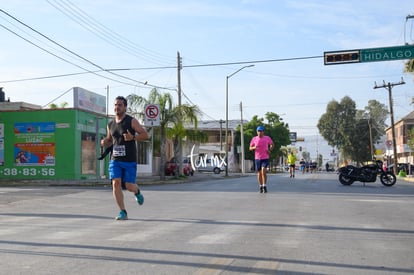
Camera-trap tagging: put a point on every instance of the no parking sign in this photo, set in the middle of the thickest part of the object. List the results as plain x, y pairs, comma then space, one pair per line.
152, 115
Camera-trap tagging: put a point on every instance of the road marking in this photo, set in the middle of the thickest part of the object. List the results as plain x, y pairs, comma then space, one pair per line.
210, 239
265, 265
379, 201
215, 266
144, 234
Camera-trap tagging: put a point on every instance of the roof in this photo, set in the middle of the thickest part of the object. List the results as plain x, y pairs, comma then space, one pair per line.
18, 106
409, 116
215, 124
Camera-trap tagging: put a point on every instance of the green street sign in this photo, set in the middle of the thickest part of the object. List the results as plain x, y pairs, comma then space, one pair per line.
369, 55
387, 54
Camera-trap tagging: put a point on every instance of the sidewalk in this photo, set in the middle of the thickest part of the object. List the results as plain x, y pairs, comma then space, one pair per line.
408, 178
143, 180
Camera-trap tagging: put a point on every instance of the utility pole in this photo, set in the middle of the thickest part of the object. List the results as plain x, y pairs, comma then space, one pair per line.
389, 87
370, 138
179, 158
221, 135
241, 137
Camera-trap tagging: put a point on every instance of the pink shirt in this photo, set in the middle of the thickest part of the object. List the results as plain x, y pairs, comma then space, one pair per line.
262, 147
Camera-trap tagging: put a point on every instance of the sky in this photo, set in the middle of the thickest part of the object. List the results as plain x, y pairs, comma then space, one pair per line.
50, 46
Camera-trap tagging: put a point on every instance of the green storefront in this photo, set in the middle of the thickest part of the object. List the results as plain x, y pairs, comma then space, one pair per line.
61, 144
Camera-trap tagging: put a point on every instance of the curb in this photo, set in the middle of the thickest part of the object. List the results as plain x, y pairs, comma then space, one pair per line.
154, 180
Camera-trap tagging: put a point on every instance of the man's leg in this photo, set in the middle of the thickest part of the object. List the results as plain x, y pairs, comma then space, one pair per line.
130, 174
264, 176
117, 193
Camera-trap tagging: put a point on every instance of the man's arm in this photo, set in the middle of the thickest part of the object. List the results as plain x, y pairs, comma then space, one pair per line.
140, 132
107, 141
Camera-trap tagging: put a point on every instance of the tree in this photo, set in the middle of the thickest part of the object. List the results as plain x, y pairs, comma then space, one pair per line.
337, 122
329, 125
55, 106
409, 68
170, 117
275, 128
410, 139
374, 116
348, 129
179, 116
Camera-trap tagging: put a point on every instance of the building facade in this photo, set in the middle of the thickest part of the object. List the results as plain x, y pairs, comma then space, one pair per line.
402, 128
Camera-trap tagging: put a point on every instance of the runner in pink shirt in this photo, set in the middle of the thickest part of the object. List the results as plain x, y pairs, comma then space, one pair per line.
262, 145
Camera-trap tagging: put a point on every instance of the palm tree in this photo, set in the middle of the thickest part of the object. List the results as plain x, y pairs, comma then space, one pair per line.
409, 68
55, 106
169, 115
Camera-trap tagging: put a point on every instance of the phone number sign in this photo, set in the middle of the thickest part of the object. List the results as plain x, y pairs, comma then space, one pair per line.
27, 171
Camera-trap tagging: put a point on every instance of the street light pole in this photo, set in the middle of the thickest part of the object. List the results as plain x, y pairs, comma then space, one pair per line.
227, 115
241, 138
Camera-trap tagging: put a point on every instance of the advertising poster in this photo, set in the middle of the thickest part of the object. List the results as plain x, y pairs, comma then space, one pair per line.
1, 144
34, 144
88, 153
87, 100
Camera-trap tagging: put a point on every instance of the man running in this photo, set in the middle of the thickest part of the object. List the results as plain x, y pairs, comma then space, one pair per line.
262, 145
122, 133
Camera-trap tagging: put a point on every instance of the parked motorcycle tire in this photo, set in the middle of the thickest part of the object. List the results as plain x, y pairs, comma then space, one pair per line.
345, 180
388, 179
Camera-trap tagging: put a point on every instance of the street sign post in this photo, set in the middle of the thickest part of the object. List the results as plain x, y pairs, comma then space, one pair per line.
369, 55
152, 115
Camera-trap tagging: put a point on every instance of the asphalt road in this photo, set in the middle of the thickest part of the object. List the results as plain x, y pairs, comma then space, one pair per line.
307, 225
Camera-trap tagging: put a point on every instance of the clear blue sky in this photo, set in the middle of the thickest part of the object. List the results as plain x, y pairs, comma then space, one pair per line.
144, 36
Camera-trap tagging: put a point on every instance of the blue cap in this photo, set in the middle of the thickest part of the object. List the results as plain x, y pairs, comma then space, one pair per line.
260, 128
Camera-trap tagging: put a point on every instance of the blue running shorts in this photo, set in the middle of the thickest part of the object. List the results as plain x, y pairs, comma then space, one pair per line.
122, 169
261, 163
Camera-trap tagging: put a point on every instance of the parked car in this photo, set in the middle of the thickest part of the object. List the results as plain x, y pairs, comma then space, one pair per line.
208, 166
401, 166
171, 165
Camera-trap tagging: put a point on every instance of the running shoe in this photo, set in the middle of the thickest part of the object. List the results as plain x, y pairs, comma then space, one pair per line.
261, 189
122, 216
264, 189
140, 198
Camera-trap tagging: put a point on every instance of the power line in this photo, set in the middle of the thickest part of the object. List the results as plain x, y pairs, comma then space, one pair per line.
87, 22
73, 53
163, 67
61, 58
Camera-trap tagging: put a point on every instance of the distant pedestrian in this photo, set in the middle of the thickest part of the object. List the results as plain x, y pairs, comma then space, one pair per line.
327, 167
292, 164
302, 166
261, 145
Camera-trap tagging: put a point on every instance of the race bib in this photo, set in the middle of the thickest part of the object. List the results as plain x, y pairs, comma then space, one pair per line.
119, 151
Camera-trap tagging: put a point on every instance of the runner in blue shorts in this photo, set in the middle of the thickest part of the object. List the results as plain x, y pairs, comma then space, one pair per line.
122, 134
261, 145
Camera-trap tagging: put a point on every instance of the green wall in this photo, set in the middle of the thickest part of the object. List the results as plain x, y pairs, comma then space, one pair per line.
51, 144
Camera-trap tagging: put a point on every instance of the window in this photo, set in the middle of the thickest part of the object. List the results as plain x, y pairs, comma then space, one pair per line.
142, 152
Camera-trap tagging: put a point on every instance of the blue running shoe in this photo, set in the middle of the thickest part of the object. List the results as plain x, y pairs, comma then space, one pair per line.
122, 216
140, 198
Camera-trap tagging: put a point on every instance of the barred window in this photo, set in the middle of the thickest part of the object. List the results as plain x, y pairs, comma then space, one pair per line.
142, 152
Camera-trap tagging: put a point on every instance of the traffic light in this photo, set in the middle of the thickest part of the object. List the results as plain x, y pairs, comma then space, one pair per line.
344, 57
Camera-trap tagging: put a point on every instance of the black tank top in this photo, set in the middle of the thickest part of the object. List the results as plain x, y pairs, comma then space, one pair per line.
123, 150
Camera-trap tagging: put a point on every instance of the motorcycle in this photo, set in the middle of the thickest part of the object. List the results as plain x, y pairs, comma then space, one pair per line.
368, 173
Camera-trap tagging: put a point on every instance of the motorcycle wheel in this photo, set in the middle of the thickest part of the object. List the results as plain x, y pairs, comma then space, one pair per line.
388, 179
345, 180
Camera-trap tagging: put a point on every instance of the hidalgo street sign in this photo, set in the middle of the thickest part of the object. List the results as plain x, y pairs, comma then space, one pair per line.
387, 54
369, 55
